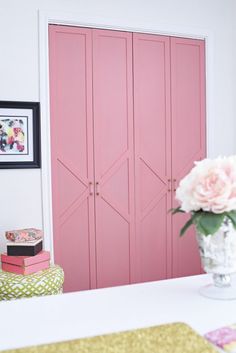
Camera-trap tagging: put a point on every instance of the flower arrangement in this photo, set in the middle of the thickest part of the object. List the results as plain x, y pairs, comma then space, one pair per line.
208, 192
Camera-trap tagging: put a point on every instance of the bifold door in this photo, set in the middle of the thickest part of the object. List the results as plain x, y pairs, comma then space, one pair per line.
169, 117
72, 154
152, 123
127, 123
188, 139
114, 156
92, 155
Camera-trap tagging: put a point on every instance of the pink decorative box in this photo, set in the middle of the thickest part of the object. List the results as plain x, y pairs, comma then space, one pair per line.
25, 270
24, 235
224, 337
25, 265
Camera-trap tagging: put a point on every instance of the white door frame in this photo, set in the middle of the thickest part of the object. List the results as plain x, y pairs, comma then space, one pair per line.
62, 18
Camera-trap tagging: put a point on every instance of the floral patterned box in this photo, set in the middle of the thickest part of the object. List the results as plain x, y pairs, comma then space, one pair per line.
24, 235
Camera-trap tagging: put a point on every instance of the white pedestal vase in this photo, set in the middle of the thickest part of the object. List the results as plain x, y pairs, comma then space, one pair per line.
218, 256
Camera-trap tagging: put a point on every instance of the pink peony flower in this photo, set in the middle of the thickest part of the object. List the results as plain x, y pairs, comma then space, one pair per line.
210, 186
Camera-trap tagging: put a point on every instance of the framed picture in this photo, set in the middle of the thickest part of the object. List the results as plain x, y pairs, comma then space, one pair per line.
19, 135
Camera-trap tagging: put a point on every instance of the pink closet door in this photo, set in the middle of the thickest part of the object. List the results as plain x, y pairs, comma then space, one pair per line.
188, 138
114, 165
72, 154
152, 155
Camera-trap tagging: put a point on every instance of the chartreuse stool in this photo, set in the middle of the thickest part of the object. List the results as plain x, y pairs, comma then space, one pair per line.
46, 282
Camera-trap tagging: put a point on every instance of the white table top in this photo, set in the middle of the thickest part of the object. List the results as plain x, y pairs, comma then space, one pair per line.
88, 313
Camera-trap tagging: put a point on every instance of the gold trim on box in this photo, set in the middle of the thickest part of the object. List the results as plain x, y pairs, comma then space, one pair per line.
169, 338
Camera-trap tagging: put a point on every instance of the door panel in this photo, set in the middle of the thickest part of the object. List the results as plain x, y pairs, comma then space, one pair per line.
188, 138
152, 155
114, 166
70, 59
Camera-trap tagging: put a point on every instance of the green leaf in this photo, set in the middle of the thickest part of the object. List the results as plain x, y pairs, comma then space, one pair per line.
186, 226
200, 229
191, 221
176, 210
208, 223
232, 216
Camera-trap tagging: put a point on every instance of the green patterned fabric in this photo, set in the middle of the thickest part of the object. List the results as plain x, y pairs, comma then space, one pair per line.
45, 282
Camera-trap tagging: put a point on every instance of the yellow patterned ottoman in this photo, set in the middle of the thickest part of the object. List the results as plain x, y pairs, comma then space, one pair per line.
45, 282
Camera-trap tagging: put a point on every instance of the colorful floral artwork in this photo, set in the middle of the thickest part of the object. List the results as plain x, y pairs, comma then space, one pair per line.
19, 135
13, 139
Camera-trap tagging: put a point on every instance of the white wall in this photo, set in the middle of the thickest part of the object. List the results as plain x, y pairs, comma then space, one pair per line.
234, 52
21, 203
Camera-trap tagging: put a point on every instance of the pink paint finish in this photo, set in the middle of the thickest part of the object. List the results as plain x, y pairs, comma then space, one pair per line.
20, 270
152, 155
188, 137
70, 54
127, 122
26, 260
114, 158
